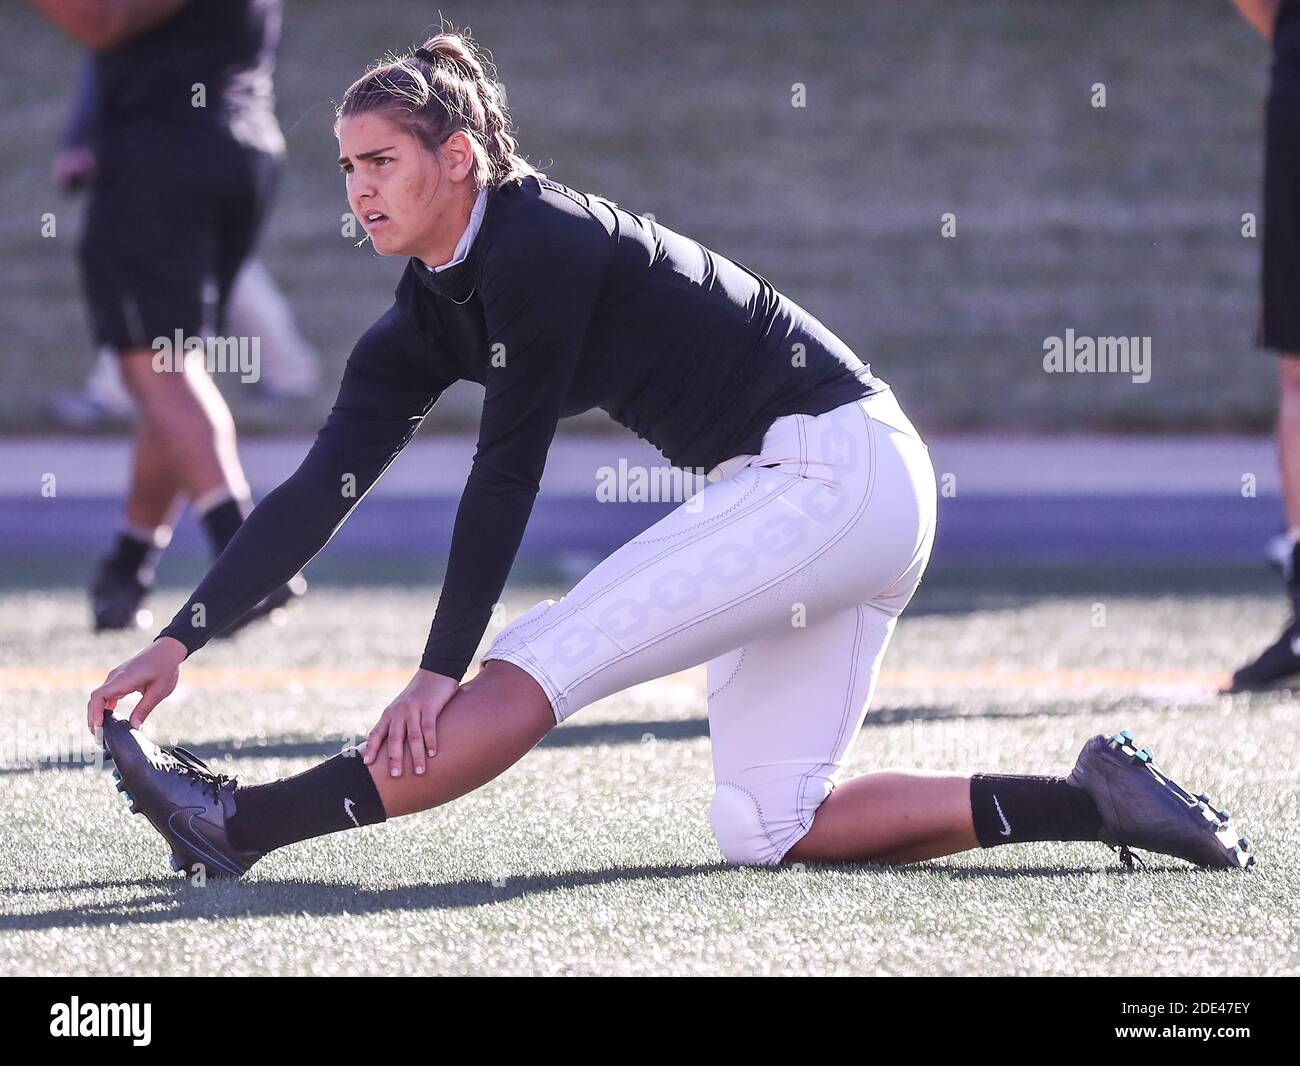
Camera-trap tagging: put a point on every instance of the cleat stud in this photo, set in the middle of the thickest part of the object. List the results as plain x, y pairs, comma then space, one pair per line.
117, 776
1125, 734
121, 785
1244, 843
1204, 797
176, 864
1223, 815
135, 809
128, 797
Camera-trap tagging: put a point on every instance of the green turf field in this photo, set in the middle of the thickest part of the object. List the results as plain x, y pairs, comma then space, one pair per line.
1122, 221
594, 854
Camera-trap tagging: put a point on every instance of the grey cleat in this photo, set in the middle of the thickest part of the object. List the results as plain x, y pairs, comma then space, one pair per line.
1142, 808
186, 801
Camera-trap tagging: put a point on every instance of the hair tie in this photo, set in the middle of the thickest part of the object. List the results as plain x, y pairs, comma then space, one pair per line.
426, 55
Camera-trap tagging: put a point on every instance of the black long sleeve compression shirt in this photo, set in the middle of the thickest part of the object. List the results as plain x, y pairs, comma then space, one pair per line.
565, 302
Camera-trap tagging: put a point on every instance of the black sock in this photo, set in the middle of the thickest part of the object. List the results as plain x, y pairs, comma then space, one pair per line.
1013, 808
222, 522
133, 556
338, 794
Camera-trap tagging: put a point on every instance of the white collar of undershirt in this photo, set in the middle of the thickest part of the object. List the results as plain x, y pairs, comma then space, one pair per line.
466, 238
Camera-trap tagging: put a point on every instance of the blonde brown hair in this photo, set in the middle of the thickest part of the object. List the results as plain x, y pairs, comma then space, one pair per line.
451, 86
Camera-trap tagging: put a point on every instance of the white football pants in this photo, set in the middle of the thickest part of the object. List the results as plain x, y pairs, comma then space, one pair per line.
787, 576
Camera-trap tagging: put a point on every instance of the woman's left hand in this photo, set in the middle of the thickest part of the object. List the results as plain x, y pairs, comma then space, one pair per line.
411, 721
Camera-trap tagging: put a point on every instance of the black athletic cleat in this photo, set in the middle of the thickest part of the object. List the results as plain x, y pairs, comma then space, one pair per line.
115, 600
1142, 808
1276, 663
276, 606
185, 801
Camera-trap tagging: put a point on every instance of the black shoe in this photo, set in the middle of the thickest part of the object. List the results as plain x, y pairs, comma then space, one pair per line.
186, 802
1279, 661
276, 606
115, 600
1142, 808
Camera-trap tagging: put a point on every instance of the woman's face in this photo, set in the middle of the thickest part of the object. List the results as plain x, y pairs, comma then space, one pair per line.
411, 201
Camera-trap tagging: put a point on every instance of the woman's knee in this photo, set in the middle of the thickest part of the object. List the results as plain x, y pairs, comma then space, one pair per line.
756, 824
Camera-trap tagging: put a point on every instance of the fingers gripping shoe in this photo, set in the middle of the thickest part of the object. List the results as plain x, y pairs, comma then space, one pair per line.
1142, 808
188, 803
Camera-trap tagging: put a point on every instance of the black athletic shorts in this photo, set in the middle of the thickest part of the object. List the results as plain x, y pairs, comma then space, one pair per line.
175, 209
1279, 326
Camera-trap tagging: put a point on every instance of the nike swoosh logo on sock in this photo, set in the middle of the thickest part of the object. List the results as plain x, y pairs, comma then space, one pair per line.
347, 809
1006, 826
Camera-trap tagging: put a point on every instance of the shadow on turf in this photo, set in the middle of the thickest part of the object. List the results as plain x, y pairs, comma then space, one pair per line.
571, 735
267, 898
174, 899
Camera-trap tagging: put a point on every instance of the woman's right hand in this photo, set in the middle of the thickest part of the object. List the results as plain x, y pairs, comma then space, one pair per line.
153, 673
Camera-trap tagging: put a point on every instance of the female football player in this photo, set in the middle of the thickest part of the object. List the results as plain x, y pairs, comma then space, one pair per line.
787, 575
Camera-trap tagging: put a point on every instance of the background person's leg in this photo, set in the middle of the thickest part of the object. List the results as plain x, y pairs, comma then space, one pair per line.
1279, 331
191, 417
1288, 438
1281, 659
156, 494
